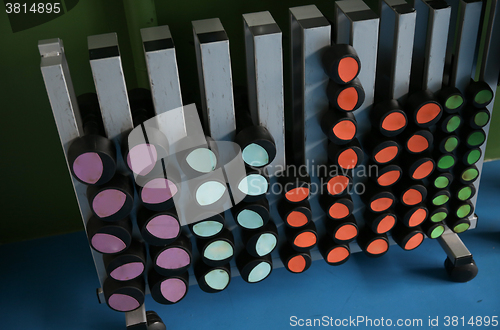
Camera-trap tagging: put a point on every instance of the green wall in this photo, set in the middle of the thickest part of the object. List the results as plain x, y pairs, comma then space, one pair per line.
37, 197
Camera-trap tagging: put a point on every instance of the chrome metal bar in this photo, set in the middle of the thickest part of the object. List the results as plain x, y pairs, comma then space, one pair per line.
264, 65
264, 62
461, 48
136, 319
358, 25
429, 49
310, 36
397, 31
55, 71
216, 84
161, 62
109, 80
489, 72
488, 68
110, 84
111, 89
468, 21
57, 79
455, 249
452, 30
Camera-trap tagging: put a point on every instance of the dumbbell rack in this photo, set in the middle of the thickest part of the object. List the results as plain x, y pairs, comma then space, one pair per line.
354, 24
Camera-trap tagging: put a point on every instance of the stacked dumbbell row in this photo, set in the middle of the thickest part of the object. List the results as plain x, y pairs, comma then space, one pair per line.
445, 143
415, 210
259, 233
215, 242
110, 194
384, 171
415, 217
110, 228
387, 183
399, 147
345, 94
144, 151
463, 148
448, 194
92, 161
475, 117
300, 230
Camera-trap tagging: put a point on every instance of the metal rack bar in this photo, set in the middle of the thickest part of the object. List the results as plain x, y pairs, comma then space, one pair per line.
461, 48
310, 36
264, 65
161, 62
460, 59
57, 79
109, 81
136, 320
455, 249
264, 62
462, 43
214, 75
489, 72
111, 89
395, 49
358, 26
429, 49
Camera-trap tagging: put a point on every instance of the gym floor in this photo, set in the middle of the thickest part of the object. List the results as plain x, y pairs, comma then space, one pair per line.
50, 283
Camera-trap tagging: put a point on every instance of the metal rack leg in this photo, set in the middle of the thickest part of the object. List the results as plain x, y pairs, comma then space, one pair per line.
142, 320
154, 321
136, 320
459, 265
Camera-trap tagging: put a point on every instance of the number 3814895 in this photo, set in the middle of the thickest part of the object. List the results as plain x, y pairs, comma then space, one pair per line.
35, 8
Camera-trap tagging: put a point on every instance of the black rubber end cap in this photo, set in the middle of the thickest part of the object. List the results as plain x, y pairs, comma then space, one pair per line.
462, 273
154, 321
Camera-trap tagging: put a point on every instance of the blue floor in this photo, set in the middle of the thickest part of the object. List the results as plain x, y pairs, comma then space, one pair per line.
50, 284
